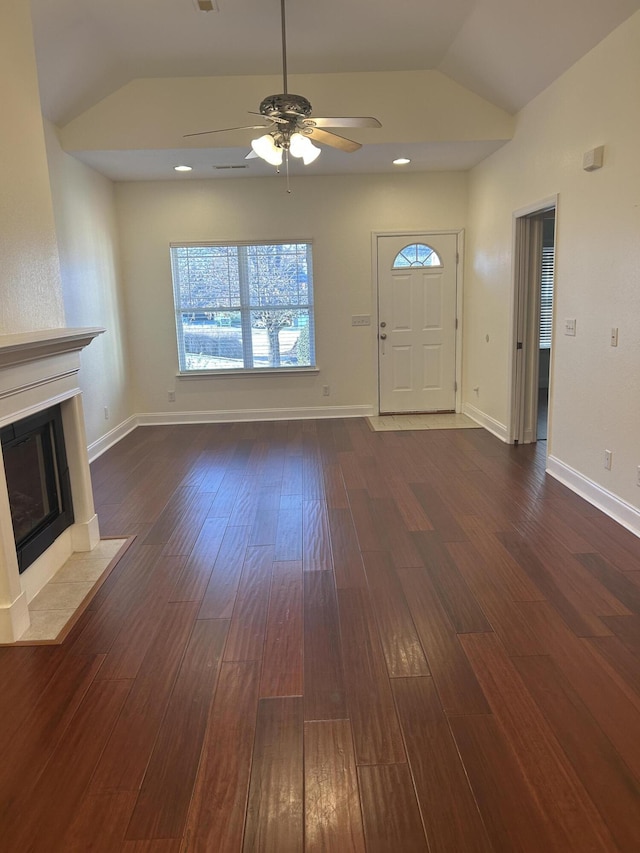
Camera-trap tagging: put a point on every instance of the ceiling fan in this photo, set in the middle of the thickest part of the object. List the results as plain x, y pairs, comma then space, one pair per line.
291, 127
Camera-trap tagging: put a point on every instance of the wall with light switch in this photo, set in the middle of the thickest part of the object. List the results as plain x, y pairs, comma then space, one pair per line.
595, 402
338, 213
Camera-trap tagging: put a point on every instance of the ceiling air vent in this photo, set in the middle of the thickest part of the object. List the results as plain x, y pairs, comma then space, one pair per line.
229, 167
206, 5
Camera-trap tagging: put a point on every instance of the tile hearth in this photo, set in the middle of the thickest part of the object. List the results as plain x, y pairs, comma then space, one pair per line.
62, 598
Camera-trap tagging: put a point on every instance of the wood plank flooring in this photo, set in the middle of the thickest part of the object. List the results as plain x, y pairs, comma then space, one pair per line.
326, 639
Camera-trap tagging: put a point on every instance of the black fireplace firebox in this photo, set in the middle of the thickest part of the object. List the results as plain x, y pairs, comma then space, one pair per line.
35, 465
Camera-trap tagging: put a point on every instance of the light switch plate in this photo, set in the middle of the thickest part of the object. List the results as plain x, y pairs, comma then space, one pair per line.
570, 327
361, 320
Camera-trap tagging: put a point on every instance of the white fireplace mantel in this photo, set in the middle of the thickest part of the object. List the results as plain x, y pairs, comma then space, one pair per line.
37, 370
30, 346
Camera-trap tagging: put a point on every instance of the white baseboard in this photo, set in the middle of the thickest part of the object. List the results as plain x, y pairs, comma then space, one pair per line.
621, 511
244, 415
97, 448
490, 424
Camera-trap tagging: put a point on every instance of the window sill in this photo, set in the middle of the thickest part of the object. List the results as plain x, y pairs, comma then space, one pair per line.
262, 371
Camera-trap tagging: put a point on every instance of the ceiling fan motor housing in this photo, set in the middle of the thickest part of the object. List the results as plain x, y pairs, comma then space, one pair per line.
285, 105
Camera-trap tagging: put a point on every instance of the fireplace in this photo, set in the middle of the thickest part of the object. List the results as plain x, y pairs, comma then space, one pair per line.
35, 464
46, 501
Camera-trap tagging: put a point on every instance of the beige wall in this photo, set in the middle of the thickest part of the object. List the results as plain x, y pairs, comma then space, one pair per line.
31, 252
595, 402
85, 216
152, 113
338, 214
30, 293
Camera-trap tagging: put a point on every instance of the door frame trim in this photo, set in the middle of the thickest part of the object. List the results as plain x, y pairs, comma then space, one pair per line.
459, 234
524, 321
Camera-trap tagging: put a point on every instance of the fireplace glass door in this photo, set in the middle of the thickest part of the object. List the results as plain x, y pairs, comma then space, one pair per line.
37, 482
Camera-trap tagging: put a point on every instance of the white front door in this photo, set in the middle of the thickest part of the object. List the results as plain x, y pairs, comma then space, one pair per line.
417, 297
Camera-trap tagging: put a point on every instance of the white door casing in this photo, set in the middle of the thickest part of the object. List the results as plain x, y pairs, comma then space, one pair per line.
417, 324
525, 331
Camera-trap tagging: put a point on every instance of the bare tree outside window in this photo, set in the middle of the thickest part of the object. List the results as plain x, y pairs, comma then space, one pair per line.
243, 306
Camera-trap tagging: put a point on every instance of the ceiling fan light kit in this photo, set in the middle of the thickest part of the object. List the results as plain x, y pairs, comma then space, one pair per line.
301, 146
291, 127
266, 148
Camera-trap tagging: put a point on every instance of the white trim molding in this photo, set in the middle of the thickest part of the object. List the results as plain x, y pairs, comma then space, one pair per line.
39, 370
613, 506
102, 444
98, 447
489, 423
244, 415
22, 347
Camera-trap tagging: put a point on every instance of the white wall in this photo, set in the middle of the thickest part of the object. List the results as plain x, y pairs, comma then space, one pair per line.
30, 292
151, 113
595, 402
85, 217
339, 214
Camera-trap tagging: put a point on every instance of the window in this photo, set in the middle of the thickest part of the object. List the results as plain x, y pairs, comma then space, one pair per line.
243, 306
546, 296
417, 255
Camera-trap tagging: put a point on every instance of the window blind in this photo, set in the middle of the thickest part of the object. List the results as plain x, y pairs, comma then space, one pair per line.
546, 296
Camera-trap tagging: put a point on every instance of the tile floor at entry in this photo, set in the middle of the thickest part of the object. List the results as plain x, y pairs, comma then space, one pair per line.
448, 420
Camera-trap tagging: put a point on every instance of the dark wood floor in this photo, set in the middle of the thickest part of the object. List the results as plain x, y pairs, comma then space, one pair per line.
329, 639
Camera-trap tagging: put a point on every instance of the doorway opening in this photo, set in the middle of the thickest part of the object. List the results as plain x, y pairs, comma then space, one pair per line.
534, 272
547, 269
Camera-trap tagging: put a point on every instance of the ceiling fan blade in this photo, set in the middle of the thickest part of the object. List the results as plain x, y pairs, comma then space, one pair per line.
225, 129
251, 155
332, 139
345, 121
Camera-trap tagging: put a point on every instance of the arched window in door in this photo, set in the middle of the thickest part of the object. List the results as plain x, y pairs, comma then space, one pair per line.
416, 255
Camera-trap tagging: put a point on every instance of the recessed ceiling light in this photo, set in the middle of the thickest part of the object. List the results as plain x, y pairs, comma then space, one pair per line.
183, 168
401, 161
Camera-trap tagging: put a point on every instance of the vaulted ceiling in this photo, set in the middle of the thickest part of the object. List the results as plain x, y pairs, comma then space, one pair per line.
109, 70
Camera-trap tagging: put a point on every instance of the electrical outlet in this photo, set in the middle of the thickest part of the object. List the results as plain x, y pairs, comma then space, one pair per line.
106, 413
171, 396
325, 390
607, 459
570, 327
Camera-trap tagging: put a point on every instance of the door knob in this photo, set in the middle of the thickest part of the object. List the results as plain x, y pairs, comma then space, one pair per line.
383, 337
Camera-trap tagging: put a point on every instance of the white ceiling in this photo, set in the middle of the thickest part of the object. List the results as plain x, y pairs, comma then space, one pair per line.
506, 51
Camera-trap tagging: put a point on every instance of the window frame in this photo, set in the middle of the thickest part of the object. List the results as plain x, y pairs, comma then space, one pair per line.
417, 264
244, 308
